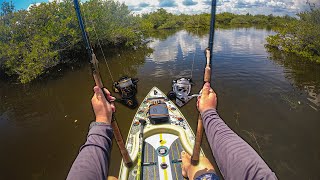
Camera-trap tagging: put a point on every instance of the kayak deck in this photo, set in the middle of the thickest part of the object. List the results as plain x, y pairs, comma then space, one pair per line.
162, 145
151, 160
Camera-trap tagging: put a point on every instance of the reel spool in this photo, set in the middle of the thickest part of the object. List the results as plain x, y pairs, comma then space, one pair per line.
127, 88
181, 89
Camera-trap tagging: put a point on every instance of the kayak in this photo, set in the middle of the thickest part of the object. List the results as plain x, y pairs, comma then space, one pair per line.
158, 134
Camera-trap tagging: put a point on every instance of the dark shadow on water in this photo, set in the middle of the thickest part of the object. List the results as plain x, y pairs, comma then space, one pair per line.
302, 73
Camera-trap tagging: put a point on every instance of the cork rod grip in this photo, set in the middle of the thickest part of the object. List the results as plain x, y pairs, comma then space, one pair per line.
124, 152
197, 145
207, 70
116, 131
207, 74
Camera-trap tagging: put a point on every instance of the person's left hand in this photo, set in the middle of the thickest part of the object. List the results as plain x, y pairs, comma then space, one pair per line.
102, 108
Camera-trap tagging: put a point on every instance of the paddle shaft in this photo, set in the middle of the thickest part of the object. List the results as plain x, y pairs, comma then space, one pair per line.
98, 81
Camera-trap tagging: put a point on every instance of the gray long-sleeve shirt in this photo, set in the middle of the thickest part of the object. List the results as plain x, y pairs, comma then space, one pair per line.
92, 162
236, 159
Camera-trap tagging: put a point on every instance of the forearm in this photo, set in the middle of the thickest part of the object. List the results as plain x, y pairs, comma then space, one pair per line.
92, 160
236, 158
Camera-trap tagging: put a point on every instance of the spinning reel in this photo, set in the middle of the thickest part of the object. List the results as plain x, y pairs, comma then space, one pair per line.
181, 89
127, 88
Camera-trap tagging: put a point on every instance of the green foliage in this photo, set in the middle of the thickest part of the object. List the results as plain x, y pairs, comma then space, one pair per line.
36, 37
225, 18
112, 21
198, 21
159, 19
35, 40
239, 20
301, 37
46, 35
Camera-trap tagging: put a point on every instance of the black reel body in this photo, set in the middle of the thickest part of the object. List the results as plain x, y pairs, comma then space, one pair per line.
181, 89
127, 88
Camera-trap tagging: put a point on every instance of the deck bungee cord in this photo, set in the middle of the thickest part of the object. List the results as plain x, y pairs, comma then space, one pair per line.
94, 65
207, 78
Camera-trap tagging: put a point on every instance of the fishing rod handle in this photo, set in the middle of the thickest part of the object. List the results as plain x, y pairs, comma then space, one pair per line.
208, 56
207, 70
197, 144
95, 71
123, 150
98, 80
116, 131
207, 75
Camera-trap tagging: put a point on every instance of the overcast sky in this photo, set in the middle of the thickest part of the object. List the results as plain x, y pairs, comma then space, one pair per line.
277, 7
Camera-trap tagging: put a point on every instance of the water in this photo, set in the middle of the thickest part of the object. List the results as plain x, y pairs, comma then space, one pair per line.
269, 99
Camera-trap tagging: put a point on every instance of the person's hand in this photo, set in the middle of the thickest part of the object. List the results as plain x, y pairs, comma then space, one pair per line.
208, 99
189, 170
101, 107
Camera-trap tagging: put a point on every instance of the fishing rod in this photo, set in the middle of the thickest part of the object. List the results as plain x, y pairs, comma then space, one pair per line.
94, 65
207, 78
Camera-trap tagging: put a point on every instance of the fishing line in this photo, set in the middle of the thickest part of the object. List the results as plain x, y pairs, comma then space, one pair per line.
101, 49
98, 81
195, 51
181, 88
104, 57
126, 86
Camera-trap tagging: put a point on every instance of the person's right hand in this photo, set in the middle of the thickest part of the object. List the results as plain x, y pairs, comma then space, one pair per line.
102, 108
208, 99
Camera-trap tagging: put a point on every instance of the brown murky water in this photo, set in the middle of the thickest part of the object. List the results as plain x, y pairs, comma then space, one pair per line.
269, 99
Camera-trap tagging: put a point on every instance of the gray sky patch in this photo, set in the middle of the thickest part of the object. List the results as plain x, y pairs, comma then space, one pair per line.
189, 3
143, 4
134, 8
206, 2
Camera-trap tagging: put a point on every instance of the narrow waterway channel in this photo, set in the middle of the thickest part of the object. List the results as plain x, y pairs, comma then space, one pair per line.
271, 100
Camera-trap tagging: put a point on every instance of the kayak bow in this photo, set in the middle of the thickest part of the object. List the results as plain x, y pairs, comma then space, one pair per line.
156, 154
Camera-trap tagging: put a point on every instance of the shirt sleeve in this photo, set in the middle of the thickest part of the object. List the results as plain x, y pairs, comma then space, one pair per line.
93, 158
236, 158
